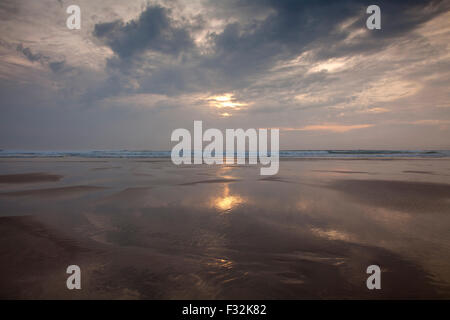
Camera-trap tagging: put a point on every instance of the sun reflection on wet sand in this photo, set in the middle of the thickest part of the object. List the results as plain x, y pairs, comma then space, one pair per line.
222, 263
227, 201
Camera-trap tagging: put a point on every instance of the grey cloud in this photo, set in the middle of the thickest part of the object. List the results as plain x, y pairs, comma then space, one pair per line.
295, 26
249, 47
33, 57
55, 66
154, 30
397, 18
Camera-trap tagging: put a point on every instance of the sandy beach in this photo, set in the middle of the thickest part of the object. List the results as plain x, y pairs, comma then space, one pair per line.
146, 229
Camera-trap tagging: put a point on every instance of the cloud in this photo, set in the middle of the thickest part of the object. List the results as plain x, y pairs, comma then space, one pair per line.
295, 26
374, 110
31, 56
337, 128
55, 66
154, 30
247, 46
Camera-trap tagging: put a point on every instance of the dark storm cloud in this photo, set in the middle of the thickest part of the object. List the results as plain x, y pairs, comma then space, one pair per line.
153, 30
248, 47
397, 18
298, 25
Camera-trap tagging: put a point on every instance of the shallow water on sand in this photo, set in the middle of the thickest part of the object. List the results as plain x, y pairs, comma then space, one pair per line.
149, 229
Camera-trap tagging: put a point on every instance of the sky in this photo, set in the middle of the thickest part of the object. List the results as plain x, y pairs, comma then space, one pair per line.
137, 70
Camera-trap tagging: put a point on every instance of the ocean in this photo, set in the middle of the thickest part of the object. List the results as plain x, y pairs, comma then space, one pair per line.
283, 154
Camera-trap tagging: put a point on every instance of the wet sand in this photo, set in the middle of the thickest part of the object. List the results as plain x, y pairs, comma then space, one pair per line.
146, 229
28, 177
50, 192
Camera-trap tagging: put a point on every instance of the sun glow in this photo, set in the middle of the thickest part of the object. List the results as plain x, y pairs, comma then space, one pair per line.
226, 100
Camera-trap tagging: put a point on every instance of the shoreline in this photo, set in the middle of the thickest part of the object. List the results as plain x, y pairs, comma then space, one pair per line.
156, 159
